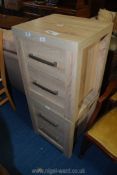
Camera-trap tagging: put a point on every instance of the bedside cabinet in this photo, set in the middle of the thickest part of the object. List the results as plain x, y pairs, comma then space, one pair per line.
62, 60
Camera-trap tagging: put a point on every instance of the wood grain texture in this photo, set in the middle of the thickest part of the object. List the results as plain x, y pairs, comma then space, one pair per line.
69, 58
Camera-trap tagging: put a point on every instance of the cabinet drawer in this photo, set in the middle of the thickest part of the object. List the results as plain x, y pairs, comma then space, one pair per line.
52, 60
46, 101
44, 84
50, 124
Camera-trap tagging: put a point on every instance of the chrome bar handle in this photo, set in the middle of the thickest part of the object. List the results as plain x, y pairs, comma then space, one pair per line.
44, 88
53, 64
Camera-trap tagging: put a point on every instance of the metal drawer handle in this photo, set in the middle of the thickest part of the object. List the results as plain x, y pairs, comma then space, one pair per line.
51, 123
54, 64
103, 37
44, 88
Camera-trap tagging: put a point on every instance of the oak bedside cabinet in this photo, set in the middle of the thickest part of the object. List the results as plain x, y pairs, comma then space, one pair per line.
62, 60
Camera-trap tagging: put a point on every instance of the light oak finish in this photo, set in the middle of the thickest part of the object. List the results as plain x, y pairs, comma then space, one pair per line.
62, 62
3, 83
51, 123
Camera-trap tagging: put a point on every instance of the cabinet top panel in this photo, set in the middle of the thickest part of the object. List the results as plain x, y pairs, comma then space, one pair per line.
65, 27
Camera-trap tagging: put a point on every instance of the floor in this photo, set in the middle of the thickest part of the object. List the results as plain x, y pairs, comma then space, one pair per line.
24, 152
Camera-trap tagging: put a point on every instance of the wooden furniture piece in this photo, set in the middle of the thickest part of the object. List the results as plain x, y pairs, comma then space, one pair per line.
102, 132
3, 171
3, 84
62, 60
7, 21
13, 5
111, 64
76, 8
11, 60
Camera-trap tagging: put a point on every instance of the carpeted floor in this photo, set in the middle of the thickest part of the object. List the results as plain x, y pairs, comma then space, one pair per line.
24, 152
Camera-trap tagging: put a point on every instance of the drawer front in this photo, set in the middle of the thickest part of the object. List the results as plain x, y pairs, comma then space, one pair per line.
52, 60
46, 101
47, 86
50, 124
55, 81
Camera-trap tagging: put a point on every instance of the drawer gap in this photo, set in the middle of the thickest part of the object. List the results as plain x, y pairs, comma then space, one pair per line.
45, 119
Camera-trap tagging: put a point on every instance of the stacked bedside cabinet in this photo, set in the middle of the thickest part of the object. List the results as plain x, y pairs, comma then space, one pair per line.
62, 60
